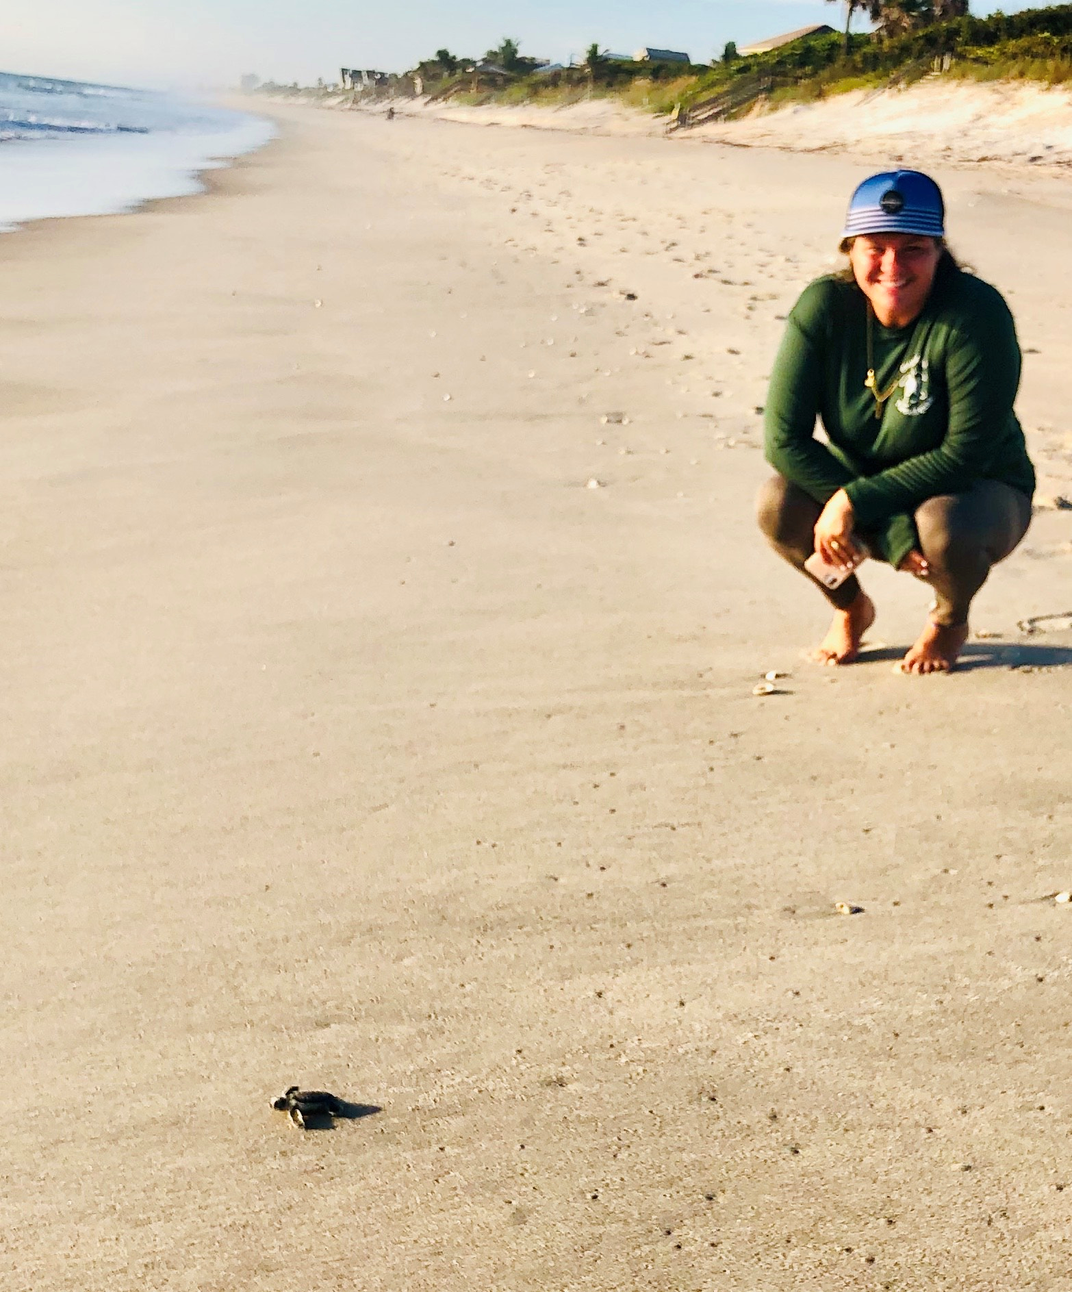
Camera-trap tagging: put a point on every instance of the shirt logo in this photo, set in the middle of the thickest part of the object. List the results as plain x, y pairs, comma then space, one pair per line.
916, 398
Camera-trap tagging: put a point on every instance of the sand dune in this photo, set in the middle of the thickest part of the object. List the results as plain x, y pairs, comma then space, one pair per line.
938, 121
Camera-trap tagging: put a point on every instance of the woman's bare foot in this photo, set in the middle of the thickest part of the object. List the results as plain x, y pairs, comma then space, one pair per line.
841, 645
936, 649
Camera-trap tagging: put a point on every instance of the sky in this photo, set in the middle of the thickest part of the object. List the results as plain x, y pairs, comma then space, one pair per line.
211, 43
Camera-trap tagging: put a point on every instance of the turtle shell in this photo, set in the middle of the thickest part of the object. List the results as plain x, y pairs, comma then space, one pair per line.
315, 1101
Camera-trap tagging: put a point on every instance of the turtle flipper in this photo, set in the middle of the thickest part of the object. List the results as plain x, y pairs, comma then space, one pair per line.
317, 1101
305, 1107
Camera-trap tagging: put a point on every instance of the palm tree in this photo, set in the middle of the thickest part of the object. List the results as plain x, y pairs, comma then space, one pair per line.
851, 7
897, 17
506, 55
594, 61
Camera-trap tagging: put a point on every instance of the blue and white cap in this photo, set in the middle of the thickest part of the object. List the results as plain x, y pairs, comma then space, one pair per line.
900, 201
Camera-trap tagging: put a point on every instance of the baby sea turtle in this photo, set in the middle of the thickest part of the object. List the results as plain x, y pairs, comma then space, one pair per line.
303, 1105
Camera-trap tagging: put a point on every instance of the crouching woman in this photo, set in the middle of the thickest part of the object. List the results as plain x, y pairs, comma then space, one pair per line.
912, 366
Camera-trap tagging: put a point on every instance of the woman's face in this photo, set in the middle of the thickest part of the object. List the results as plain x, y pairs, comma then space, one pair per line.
895, 271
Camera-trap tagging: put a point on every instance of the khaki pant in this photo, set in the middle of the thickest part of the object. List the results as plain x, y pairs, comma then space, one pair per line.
962, 536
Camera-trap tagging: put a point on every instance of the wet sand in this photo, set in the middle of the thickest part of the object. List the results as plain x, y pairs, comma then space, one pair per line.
353, 740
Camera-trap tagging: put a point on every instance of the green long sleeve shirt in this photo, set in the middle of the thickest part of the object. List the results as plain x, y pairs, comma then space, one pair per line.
949, 423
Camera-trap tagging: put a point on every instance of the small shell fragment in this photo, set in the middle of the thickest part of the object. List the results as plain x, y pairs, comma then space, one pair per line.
764, 688
773, 675
594, 484
1062, 898
847, 908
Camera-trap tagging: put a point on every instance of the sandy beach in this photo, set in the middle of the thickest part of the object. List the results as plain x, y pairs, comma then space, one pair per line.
1022, 126
382, 611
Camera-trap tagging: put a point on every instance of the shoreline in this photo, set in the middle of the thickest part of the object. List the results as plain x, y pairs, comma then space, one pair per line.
213, 182
356, 740
38, 161
778, 130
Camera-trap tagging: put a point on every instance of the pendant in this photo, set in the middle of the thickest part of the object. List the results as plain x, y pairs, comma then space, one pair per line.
869, 380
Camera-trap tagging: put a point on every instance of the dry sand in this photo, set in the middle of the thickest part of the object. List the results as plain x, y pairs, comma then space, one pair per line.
939, 121
351, 740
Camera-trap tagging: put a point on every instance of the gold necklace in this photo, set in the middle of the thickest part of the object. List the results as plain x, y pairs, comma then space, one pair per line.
870, 381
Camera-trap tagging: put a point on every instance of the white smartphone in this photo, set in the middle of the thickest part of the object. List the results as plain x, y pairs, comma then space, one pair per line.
830, 576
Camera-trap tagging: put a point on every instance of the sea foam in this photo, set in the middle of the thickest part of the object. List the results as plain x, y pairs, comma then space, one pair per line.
70, 148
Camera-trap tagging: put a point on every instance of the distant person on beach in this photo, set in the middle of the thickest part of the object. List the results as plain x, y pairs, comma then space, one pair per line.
912, 365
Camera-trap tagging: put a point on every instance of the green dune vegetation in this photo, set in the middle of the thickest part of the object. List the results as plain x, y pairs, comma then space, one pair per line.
910, 39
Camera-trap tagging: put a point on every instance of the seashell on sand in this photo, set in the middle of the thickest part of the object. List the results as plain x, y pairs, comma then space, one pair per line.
847, 908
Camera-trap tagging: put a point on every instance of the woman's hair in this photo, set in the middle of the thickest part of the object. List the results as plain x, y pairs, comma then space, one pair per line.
947, 260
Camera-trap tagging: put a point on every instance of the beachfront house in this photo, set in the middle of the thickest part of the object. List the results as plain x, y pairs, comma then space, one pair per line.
789, 38
649, 55
355, 78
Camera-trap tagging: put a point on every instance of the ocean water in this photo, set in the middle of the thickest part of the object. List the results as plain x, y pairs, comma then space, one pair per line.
70, 148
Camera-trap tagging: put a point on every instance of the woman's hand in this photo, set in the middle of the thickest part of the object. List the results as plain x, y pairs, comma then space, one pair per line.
915, 563
833, 533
